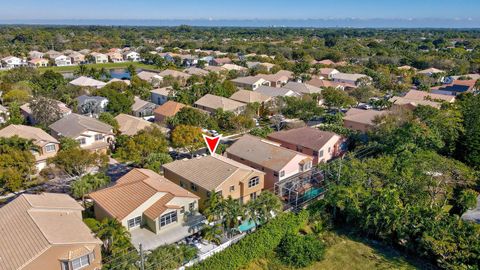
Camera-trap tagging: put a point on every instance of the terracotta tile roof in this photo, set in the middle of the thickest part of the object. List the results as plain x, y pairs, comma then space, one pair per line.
169, 108
140, 103
40, 137
302, 88
247, 80
324, 83
158, 207
216, 102
363, 116
31, 224
457, 86
308, 137
175, 74
209, 172
88, 82
247, 96
131, 125
164, 91
262, 152
134, 189
422, 95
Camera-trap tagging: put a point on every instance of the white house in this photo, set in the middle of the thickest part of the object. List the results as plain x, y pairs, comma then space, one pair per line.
12, 62
62, 61
100, 58
131, 56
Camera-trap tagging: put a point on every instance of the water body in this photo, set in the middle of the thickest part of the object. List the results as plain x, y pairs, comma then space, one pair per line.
117, 73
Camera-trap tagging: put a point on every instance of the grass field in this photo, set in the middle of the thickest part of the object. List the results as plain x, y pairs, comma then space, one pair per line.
106, 65
348, 254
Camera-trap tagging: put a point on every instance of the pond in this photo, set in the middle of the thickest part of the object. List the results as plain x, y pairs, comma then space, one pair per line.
117, 73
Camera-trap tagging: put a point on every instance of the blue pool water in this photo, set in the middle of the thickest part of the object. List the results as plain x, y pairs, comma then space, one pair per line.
246, 226
312, 193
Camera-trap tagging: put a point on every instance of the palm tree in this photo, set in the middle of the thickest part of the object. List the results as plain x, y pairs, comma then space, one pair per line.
264, 208
213, 233
213, 207
115, 236
82, 70
233, 214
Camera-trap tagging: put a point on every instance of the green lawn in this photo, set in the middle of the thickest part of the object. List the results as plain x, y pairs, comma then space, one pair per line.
106, 65
348, 254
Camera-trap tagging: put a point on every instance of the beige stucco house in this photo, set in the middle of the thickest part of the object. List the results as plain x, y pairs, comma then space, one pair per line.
145, 200
250, 82
361, 120
218, 174
47, 146
211, 103
46, 231
89, 132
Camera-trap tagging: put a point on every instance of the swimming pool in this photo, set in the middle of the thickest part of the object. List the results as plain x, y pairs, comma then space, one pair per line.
246, 226
312, 193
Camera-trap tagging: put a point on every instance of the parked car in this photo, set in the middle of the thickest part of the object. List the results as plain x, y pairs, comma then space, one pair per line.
364, 106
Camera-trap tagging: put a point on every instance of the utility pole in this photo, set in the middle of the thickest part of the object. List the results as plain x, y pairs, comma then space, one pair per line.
142, 258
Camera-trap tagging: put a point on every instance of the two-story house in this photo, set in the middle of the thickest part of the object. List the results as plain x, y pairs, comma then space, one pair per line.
47, 146
321, 145
131, 56
160, 96
276, 162
100, 58
62, 61
218, 174
90, 133
46, 231
12, 62
148, 204
250, 82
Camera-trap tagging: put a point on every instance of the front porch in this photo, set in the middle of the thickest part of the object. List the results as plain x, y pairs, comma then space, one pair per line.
169, 235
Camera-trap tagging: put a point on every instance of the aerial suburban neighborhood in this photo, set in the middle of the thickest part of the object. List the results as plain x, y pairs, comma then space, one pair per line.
243, 144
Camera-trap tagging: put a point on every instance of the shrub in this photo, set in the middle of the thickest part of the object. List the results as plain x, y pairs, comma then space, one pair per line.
299, 250
256, 245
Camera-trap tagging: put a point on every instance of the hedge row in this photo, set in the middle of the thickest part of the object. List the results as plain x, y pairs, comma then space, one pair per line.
255, 245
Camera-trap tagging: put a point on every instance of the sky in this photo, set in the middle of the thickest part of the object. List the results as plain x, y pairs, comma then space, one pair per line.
30, 11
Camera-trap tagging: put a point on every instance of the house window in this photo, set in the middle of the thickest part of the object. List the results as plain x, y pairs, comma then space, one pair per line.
134, 222
315, 153
329, 149
50, 148
193, 187
182, 184
98, 137
232, 188
168, 218
82, 141
282, 173
321, 153
191, 206
80, 262
182, 210
253, 196
253, 181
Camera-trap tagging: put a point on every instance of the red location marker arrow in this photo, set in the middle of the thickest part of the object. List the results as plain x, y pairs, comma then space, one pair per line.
212, 143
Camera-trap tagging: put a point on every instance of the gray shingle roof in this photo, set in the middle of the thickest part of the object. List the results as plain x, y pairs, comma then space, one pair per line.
73, 125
